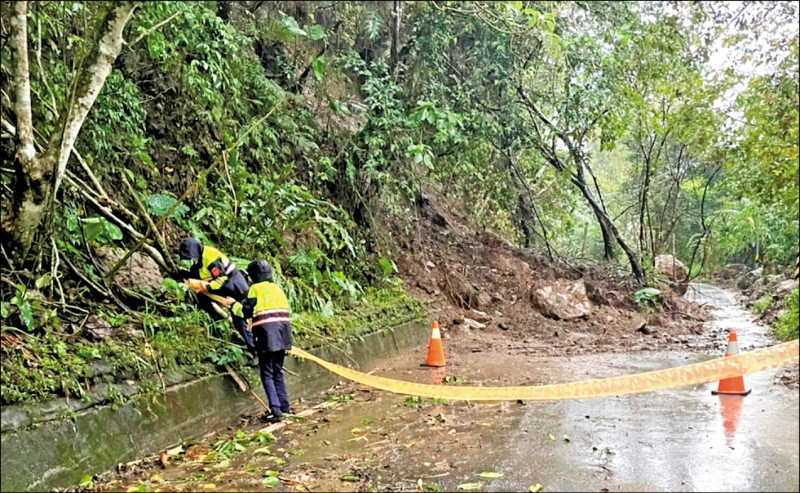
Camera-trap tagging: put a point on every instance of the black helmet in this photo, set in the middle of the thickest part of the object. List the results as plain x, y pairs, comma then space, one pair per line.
259, 271
190, 248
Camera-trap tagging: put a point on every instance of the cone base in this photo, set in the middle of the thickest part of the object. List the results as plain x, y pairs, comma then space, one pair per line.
433, 366
731, 392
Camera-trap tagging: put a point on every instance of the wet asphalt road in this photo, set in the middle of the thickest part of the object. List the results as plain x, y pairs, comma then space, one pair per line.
682, 439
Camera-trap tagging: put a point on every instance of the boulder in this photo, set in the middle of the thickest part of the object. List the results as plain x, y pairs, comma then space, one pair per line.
482, 300
140, 272
480, 316
561, 299
773, 280
784, 287
744, 281
98, 328
675, 271
731, 271
473, 324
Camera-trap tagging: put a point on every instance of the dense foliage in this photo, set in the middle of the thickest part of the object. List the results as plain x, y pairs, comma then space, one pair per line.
607, 131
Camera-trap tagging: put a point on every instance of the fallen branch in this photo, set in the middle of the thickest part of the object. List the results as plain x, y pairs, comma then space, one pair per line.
152, 29
94, 286
151, 224
108, 214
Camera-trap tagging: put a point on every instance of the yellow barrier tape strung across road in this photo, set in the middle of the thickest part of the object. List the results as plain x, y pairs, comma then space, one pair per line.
707, 371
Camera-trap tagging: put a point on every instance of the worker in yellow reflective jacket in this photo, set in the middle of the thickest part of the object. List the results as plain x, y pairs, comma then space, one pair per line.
267, 308
223, 278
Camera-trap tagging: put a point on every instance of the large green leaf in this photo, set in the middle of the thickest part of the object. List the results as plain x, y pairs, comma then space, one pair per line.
290, 24
159, 204
319, 67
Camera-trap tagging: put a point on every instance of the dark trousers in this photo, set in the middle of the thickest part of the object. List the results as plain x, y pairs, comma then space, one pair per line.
271, 365
239, 324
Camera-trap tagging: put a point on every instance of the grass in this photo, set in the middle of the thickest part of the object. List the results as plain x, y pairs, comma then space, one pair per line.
762, 305
45, 366
786, 327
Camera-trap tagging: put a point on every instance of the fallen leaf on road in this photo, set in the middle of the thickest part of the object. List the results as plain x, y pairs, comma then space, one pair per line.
208, 486
270, 481
175, 451
551, 437
535, 487
469, 486
490, 475
350, 477
261, 451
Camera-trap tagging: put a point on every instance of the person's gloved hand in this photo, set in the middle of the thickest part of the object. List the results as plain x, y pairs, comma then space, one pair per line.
197, 285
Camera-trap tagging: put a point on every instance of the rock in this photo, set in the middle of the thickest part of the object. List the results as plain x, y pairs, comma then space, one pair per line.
430, 265
473, 324
427, 288
480, 316
646, 330
127, 332
784, 287
744, 281
503, 326
98, 367
675, 271
774, 279
140, 272
638, 322
98, 328
496, 297
561, 299
458, 321
731, 271
756, 273
483, 300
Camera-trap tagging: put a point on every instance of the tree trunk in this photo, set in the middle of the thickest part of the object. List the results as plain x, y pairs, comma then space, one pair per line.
40, 175
607, 225
397, 13
32, 177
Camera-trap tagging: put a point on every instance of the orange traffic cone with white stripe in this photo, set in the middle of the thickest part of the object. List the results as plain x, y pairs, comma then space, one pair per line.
732, 385
435, 348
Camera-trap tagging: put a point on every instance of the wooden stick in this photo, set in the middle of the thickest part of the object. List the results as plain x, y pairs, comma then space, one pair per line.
308, 412
149, 220
243, 386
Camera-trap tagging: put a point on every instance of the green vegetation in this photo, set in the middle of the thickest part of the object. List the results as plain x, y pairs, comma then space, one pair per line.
311, 134
786, 328
761, 305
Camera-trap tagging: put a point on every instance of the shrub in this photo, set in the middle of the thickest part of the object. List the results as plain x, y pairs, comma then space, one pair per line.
786, 328
761, 305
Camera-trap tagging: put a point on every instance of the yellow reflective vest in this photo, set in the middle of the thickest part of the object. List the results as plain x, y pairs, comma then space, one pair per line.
223, 269
265, 303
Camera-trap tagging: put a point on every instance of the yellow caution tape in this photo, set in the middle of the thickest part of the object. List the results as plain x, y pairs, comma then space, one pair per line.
697, 373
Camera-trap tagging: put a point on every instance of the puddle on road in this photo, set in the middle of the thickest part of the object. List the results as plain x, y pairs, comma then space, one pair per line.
682, 439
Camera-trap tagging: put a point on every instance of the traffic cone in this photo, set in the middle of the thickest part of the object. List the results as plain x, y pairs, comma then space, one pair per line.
732, 385
435, 348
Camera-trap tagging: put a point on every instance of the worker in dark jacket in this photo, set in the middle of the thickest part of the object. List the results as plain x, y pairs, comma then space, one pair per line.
222, 277
267, 308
